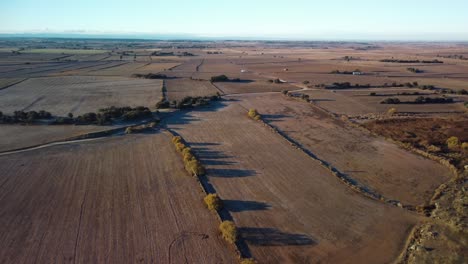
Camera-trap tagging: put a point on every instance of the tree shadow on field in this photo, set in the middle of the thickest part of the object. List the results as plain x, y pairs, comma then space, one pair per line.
324, 100
186, 116
270, 118
241, 206
273, 237
211, 157
230, 173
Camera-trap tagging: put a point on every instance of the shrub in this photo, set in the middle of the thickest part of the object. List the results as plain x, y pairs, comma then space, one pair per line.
162, 104
186, 150
195, 168
228, 231
129, 130
176, 139
464, 146
253, 114
285, 92
179, 146
188, 157
305, 82
452, 142
433, 148
373, 94
391, 101
248, 261
462, 91
213, 202
391, 111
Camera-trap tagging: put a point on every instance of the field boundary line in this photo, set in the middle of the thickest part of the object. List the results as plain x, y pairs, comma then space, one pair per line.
13, 84
77, 139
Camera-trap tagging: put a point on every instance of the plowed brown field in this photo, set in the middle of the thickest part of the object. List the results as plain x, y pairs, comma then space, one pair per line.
119, 200
288, 208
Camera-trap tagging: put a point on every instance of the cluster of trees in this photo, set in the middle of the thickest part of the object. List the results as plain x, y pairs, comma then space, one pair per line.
170, 53
301, 96
126, 113
454, 56
223, 78
347, 85
192, 165
419, 100
162, 53
214, 52
344, 72
150, 76
403, 94
140, 128
107, 116
24, 117
414, 70
411, 61
189, 101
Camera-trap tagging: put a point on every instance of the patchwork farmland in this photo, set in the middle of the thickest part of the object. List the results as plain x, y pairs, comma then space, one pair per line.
311, 152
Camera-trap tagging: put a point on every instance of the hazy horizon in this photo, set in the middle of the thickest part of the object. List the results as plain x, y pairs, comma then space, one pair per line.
261, 20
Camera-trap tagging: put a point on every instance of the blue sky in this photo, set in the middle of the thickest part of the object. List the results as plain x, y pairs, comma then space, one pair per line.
295, 19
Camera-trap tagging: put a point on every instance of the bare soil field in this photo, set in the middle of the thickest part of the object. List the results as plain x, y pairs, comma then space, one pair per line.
378, 164
179, 88
136, 205
22, 136
287, 207
6, 82
260, 86
186, 69
79, 94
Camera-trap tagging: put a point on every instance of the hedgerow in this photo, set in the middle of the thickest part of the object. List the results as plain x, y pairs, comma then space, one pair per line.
191, 163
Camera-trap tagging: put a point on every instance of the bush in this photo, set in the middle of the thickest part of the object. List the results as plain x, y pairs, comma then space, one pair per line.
391, 101
253, 114
179, 146
195, 168
453, 142
464, 146
391, 111
213, 202
248, 261
176, 139
285, 92
163, 104
228, 231
462, 91
373, 94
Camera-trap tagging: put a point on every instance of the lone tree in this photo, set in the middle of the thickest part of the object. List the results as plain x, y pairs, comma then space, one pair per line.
213, 202
228, 231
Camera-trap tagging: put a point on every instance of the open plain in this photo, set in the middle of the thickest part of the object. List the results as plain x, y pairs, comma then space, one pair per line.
320, 152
